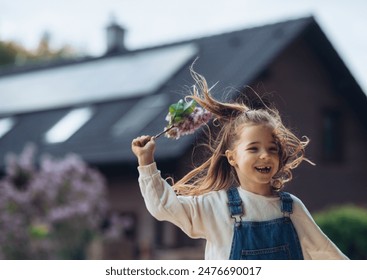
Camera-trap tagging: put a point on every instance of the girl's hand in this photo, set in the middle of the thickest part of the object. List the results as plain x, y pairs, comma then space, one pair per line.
143, 147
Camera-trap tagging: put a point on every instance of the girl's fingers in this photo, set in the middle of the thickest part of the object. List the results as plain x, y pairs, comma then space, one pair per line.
141, 141
145, 141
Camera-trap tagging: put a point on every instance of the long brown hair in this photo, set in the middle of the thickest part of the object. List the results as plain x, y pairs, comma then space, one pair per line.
216, 173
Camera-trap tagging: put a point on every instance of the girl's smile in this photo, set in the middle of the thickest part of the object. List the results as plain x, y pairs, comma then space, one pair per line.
255, 158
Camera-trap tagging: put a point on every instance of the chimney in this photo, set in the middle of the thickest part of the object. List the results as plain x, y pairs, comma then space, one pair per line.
115, 38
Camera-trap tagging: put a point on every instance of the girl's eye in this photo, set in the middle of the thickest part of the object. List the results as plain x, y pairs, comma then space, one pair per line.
274, 149
253, 149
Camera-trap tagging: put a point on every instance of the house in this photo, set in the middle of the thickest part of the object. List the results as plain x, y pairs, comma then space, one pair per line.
100, 104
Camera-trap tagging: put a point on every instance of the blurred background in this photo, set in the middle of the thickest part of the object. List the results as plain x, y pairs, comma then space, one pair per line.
80, 79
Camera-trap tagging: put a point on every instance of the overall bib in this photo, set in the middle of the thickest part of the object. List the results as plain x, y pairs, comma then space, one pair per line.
269, 240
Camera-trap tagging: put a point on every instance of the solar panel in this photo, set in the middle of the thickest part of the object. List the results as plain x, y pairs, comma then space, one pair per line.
139, 73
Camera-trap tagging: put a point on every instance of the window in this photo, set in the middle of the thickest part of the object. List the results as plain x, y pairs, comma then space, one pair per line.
6, 124
68, 125
332, 137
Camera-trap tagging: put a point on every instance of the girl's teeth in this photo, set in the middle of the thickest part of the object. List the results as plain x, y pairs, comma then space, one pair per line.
263, 169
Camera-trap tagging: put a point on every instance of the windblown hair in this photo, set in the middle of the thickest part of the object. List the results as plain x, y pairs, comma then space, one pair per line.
216, 173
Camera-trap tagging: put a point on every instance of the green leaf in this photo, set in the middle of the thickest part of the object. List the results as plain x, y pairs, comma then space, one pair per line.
189, 107
179, 110
176, 111
39, 231
177, 119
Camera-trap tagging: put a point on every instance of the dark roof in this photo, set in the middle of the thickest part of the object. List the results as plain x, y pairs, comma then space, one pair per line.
235, 59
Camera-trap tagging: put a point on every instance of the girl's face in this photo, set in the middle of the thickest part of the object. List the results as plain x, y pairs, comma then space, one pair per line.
255, 158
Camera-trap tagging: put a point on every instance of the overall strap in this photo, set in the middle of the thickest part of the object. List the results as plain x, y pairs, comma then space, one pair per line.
286, 203
235, 203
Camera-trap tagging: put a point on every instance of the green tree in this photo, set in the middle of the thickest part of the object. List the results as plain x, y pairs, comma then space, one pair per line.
8, 53
12, 53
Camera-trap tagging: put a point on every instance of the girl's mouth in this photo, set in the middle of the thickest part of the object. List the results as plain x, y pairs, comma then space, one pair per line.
265, 169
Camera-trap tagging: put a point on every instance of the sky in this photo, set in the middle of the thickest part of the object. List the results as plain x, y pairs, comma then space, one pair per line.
81, 23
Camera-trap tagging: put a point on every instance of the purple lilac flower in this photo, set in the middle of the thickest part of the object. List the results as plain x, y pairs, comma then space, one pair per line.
189, 124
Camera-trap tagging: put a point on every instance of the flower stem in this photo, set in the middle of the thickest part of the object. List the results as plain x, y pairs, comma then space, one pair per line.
164, 131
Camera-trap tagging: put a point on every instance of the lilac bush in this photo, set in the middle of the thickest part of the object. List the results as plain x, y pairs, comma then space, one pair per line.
51, 211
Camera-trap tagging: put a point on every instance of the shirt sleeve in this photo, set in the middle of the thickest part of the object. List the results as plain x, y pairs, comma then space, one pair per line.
315, 244
186, 212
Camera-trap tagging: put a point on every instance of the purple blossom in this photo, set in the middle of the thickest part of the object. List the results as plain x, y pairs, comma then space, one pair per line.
50, 212
189, 124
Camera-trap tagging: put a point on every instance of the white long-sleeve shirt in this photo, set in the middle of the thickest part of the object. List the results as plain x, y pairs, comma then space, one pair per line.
207, 216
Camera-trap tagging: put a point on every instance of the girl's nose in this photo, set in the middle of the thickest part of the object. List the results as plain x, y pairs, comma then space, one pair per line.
264, 155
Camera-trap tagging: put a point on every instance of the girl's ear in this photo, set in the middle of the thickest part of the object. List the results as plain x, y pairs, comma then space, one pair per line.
230, 157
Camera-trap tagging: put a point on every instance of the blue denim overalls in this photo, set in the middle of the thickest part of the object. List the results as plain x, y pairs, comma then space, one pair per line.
269, 240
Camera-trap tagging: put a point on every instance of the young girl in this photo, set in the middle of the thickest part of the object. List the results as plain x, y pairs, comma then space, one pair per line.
234, 199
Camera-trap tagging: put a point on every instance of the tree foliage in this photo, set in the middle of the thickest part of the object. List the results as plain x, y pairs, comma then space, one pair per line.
12, 53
